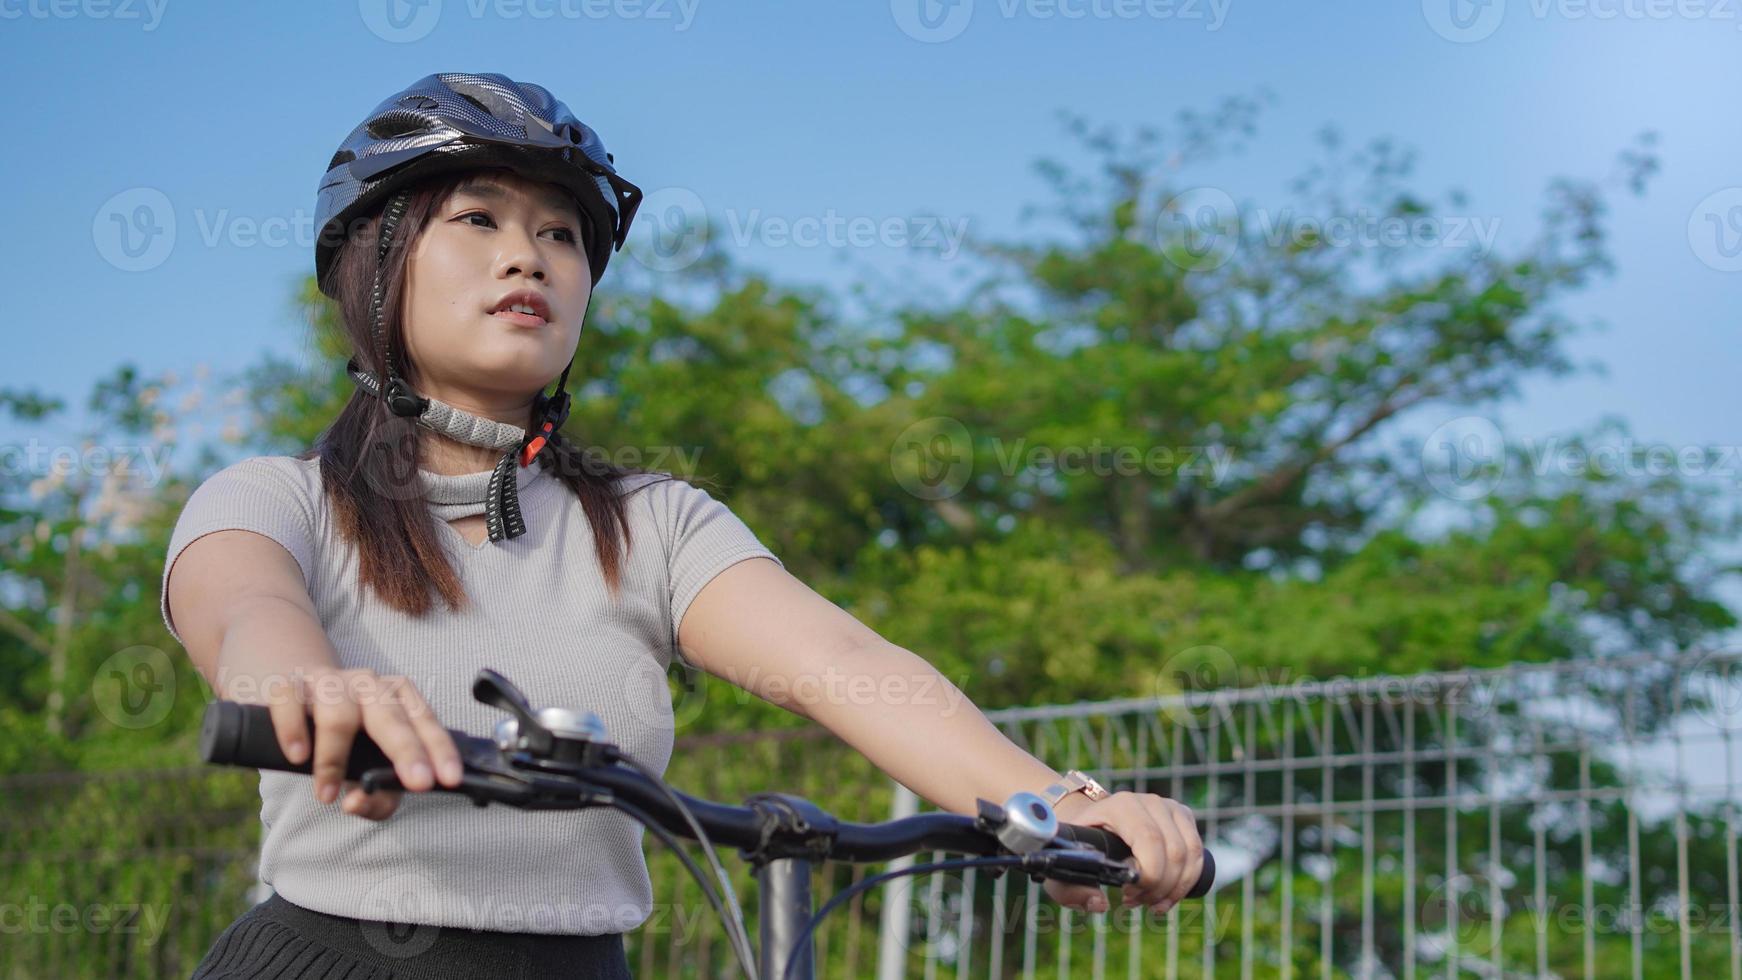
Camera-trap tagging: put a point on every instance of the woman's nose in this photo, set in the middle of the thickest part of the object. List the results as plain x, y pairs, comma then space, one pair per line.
520, 256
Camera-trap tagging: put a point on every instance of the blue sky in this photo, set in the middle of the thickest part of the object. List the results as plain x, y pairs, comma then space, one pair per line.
230, 112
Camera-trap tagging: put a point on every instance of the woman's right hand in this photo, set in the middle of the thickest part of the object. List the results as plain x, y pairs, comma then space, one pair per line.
390, 709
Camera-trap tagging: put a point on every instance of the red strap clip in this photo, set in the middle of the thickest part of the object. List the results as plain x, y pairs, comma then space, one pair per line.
536, 446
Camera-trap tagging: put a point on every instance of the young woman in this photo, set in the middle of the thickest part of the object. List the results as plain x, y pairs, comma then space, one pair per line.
464, 225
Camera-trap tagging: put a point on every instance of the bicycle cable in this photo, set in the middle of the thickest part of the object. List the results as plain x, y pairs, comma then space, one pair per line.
804, 936
740, 939
742, 932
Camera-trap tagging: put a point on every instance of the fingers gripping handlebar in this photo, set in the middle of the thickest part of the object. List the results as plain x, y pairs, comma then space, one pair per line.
535, 765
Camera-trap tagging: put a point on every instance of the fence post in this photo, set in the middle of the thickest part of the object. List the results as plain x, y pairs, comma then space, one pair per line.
893, 923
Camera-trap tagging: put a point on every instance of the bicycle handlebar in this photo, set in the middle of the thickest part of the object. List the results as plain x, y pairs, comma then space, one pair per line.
242, 735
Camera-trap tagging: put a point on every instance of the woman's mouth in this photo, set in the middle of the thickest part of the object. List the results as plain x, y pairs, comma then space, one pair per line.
520, 319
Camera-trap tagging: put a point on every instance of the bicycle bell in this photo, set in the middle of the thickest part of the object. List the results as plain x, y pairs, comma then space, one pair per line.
1029, 823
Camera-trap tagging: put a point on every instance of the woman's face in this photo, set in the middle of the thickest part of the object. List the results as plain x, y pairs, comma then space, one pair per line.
494, 236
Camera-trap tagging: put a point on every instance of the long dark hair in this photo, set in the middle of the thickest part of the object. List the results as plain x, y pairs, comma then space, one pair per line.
369, 456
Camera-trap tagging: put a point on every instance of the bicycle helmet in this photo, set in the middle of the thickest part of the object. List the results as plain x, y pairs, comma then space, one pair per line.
441, 124
455, 121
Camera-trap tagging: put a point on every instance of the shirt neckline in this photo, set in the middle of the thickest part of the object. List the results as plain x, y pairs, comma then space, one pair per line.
453, 496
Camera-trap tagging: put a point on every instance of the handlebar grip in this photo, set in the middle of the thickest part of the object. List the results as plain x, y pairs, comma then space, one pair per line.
1115, 847
242, 735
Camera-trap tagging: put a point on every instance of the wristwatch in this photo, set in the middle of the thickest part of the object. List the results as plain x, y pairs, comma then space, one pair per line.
1075, 781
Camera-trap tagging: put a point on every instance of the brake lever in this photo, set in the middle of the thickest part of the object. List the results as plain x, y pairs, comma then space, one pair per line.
1078, 866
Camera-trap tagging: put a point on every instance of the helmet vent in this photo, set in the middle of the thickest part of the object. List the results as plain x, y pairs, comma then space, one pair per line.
395, 124
341, 157
481, 106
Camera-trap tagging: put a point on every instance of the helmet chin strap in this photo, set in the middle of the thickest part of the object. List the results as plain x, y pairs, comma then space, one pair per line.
502, 503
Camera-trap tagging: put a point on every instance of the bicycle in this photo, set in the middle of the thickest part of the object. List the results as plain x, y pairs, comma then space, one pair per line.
558, 758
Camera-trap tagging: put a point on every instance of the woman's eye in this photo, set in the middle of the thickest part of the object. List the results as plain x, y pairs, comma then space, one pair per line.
568, 233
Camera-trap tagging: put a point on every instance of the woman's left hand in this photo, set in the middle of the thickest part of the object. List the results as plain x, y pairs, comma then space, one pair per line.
1164, 840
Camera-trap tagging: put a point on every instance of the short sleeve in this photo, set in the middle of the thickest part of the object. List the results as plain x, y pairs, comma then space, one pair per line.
703, 538
268, 495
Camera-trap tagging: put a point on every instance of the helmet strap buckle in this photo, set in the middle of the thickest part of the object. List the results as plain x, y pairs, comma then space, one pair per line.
552, 409
402, 401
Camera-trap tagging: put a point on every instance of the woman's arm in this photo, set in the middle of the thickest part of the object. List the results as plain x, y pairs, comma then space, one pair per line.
238, 600
760, 628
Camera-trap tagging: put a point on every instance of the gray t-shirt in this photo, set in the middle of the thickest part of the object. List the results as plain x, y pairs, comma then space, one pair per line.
540, 615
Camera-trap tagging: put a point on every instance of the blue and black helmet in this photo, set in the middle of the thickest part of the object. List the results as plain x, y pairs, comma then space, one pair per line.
455, 121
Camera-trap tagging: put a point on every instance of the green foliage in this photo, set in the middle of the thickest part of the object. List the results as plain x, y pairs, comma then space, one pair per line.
1278, 525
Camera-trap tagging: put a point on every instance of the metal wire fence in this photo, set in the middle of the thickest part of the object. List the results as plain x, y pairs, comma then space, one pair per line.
1565, 820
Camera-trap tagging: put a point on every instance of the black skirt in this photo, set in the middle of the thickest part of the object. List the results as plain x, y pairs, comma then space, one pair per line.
280, 939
